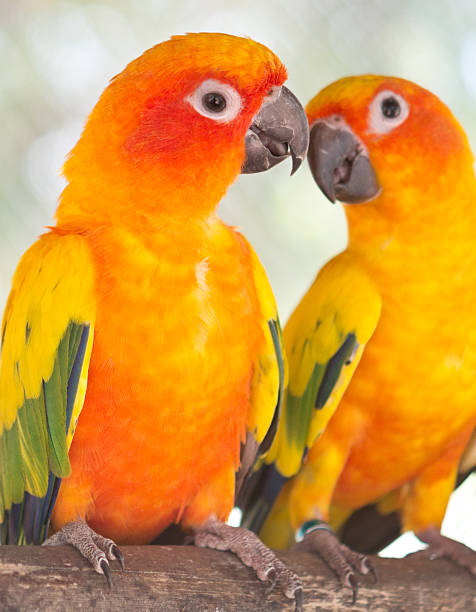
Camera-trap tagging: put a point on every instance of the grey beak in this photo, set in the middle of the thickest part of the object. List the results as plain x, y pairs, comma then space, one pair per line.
278, 130
340, 165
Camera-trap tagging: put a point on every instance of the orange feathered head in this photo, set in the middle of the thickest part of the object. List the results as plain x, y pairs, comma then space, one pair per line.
168, 134
379, 139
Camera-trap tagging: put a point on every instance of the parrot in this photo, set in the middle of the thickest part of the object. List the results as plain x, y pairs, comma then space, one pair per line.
142, 369
381, 400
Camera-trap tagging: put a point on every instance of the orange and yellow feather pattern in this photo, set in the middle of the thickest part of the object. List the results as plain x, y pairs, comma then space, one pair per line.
397, 432
55, 276
186, 356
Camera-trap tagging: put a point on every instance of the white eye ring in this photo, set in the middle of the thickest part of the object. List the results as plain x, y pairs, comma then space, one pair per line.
379, 122
231, 97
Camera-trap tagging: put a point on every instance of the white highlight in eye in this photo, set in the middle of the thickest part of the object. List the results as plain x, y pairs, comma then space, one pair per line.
229, 93
378, 123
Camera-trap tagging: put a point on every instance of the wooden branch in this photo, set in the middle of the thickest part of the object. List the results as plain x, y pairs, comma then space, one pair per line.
189, 579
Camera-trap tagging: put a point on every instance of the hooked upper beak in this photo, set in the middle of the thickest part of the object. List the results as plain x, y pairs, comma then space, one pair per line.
278, 130
340, 164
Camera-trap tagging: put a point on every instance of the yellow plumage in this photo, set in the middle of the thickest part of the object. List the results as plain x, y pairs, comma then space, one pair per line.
53, 285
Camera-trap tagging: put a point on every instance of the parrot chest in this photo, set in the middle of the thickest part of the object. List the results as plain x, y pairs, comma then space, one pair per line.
169, 379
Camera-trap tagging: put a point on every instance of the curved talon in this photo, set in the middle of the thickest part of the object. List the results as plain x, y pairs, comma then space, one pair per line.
94, 547
338, 557
119, 556
370, 570
353, 584
298, 600
106, 570
252, 553
272, 577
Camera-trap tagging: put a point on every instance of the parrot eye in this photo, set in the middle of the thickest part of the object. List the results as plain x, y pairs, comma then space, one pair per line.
390, 107
387, 111
216, 100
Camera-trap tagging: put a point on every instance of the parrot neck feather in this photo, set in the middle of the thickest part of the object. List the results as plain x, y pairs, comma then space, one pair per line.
161, 202
413, 224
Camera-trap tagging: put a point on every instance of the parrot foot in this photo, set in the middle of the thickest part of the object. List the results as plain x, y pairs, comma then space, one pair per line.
94, 547
321, 540
440, 547
253, 553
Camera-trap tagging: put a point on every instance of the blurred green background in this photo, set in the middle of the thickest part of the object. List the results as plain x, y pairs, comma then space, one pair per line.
58, 56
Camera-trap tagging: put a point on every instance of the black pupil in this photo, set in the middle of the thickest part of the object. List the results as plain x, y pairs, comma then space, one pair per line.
215, 102
390, 107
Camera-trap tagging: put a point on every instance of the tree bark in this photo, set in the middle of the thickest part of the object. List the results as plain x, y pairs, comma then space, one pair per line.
189, 579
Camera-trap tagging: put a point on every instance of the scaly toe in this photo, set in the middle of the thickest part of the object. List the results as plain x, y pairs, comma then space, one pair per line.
290, 583
109, 547
441, 546
94, 547
338, 557
253, 553
358, 561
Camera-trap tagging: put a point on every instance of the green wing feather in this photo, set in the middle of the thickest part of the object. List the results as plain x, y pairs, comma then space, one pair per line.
47, 339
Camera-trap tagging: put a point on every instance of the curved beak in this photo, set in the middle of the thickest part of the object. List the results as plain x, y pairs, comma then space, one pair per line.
340, 164
279, 129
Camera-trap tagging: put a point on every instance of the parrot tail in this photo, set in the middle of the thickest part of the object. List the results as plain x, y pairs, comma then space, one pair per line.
258, 496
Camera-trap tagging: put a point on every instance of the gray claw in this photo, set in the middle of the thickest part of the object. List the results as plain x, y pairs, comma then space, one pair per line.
298, 600
251, 551
117, 553
370, 570
273, 578
352, 582
106, 570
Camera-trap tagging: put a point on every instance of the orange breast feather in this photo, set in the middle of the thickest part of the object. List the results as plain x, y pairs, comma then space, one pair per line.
168, 395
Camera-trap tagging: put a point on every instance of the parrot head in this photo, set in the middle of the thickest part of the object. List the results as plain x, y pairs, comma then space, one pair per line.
175, 128
373, 136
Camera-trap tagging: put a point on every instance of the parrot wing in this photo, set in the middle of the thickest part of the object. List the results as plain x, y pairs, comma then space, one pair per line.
324, 340
47, 335
268, 381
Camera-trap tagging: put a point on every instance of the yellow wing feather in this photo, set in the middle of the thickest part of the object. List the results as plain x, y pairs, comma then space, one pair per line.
324, 340
52, 286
